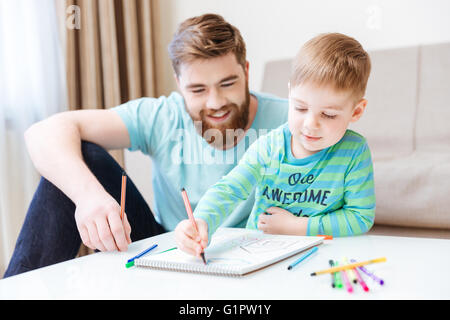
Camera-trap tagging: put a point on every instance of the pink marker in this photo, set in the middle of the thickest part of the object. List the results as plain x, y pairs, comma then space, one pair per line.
346, 281
360, 280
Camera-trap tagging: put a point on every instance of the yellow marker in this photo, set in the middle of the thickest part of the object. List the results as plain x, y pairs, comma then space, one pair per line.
351, 273
348, 266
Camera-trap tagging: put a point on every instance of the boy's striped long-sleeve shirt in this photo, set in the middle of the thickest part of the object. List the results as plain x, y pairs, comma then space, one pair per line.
334, 187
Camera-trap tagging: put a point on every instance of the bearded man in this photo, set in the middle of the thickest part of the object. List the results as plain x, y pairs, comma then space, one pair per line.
194, 137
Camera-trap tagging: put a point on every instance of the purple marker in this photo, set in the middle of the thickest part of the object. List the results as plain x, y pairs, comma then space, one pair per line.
370, 274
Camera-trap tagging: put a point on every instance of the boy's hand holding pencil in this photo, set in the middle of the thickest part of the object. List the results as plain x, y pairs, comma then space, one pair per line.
192, 237
189, 240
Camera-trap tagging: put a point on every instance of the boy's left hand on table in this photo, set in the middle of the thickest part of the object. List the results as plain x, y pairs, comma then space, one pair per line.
281, 221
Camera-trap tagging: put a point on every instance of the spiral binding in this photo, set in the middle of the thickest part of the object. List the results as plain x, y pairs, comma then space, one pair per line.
174, 266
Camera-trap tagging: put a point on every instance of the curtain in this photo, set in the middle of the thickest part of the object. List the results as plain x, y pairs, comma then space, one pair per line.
32, 87
109, 55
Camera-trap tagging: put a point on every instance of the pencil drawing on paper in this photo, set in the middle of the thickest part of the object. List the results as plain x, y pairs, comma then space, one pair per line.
240, 250
259, 245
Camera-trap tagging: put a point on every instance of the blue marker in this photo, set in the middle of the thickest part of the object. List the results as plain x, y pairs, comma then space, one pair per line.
303, 257
142, 253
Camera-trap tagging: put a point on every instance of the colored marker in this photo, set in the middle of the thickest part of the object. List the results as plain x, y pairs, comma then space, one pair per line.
143, 252
361, 281
347, 283
370, 274
338, 277
303, 257
167, 250
129, 264
351, 273
348, 266
333, 275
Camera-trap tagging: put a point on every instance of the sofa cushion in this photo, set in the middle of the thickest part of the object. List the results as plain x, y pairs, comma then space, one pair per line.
433, 118
412, 191
388, 121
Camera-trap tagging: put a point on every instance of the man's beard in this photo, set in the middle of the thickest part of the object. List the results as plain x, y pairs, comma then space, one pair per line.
228, 133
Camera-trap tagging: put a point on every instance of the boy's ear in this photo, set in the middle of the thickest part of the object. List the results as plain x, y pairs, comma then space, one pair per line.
358, 110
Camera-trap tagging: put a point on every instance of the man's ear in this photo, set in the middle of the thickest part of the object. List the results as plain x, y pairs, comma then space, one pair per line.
247, 64
358, 110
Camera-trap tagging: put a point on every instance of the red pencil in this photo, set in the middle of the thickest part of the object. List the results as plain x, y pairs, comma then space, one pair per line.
187, 205
123, 194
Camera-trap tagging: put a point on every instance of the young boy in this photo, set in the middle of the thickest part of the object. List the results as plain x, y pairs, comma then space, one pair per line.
312, 175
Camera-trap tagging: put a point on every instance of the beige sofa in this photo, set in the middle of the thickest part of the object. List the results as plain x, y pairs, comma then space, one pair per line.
407, 126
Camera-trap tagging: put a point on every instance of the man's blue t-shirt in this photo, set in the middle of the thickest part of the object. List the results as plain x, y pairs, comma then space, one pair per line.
162, 129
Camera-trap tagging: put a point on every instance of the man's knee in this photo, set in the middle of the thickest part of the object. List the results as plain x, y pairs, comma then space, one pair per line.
92, 151
97, 158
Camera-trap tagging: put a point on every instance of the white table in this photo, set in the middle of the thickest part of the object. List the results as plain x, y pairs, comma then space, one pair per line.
416, 268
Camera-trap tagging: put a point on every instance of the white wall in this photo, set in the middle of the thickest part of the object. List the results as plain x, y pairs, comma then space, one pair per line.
275, 29
139, 169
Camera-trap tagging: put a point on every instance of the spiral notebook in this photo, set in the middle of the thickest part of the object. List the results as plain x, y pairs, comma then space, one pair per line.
232, 252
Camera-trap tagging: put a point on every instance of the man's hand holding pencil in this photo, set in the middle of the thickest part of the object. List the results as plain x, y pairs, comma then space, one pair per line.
98, 221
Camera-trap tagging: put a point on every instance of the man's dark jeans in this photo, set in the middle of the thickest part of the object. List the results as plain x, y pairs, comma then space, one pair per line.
49, 234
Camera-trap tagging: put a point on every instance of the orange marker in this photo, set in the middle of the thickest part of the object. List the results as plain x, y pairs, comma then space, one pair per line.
348, 266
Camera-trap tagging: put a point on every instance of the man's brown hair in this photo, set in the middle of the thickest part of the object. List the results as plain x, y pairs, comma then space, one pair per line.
206, 36
333, 59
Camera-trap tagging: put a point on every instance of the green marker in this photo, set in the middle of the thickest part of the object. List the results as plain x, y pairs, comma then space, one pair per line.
338, 279
166, 250
131, 263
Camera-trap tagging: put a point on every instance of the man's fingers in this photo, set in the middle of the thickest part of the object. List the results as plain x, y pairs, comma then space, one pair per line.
85, 237
127, 227
105, 235
93, 236
118, 231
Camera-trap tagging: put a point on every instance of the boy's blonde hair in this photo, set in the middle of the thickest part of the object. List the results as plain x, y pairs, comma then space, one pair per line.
333, 59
